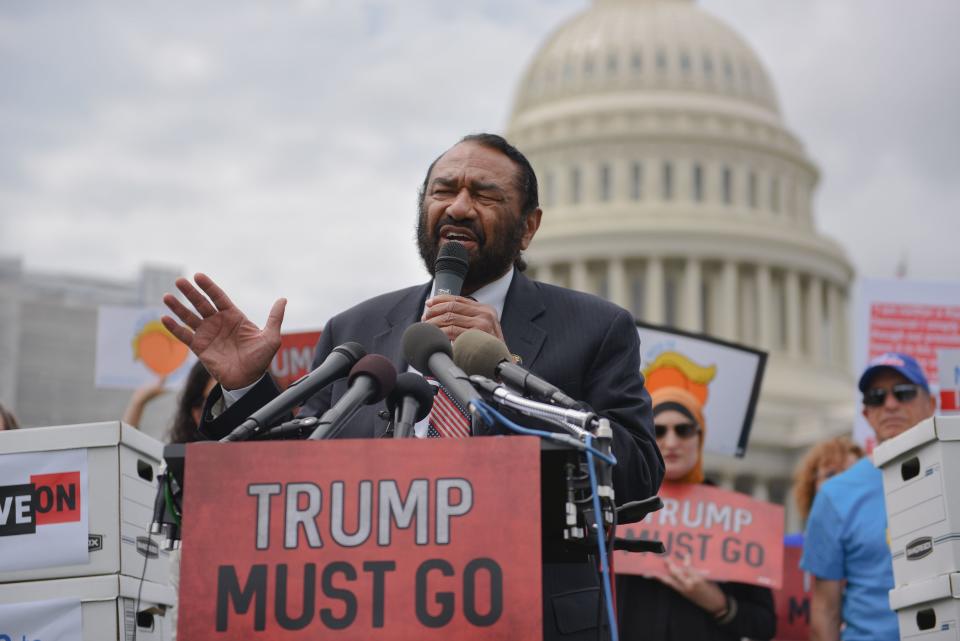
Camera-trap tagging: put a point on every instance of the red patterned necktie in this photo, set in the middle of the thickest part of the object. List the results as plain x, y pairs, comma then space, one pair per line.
447, 417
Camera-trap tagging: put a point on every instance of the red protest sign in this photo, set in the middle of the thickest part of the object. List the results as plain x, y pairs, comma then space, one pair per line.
728, 536
792, 600
362, 539
294, 357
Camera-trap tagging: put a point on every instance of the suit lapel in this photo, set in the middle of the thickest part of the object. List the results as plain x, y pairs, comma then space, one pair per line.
523, 304
389, 342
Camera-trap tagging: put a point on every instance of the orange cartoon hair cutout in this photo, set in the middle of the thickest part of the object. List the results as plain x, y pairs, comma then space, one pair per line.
158, 349
672, 369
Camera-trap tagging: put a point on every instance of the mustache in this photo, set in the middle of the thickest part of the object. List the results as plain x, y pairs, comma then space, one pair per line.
471, 225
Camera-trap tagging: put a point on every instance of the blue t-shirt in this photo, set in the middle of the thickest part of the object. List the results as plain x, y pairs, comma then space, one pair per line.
846, 538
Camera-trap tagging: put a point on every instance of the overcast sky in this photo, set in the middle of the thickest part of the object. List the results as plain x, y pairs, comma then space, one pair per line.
278, 146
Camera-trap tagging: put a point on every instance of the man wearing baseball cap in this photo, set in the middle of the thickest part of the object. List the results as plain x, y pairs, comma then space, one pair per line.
845, 543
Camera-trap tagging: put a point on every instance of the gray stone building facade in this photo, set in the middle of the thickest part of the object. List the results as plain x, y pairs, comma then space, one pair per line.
48, 328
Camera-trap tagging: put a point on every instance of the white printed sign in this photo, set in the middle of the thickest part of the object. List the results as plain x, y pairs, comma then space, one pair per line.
948, 362
134, 348
724, 376
914, 317
58, 619
44, 506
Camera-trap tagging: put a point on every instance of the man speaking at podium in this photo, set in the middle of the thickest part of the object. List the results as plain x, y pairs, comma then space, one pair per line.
482, 192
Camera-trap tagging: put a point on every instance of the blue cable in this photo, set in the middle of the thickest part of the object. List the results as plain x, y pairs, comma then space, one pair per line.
604, 566
490, 416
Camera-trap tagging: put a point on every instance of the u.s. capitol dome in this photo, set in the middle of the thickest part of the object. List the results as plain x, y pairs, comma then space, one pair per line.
671, 185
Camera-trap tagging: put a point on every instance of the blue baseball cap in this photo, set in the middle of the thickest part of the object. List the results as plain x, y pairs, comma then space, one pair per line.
903, 364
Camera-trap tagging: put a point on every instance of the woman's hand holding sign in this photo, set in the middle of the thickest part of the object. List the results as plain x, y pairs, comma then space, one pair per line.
691, 583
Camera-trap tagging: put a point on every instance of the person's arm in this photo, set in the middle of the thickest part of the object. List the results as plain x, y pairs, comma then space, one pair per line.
825, 609
740, 610
824, 552
614, 388
139, 399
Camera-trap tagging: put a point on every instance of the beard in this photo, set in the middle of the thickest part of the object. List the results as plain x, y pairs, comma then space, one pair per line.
493, 255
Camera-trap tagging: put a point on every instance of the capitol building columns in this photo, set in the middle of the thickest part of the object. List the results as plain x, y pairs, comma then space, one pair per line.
654, 289
672, 186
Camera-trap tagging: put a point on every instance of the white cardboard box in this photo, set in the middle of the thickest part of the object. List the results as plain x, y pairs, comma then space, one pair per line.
113, 607
122, 464
929, 610
921, 483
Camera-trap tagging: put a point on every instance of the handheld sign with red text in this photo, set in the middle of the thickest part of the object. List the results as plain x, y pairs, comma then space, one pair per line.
792, 600
726, 535
362, 539
294, 357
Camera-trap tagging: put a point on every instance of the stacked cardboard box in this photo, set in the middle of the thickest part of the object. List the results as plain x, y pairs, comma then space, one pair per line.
921, 483
76, 502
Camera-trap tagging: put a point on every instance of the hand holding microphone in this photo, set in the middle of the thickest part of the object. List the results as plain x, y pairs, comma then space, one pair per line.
446, 309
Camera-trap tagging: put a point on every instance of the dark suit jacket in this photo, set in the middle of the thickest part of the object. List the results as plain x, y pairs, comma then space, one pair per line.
584, 345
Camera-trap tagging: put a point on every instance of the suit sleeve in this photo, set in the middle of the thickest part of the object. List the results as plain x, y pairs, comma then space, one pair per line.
615, 389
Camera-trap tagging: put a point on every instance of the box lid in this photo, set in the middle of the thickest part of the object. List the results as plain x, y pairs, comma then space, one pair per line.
944, 586
920, 434
68, 437
105, 587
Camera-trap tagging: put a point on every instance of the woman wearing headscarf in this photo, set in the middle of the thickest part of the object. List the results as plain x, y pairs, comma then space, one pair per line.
683, 604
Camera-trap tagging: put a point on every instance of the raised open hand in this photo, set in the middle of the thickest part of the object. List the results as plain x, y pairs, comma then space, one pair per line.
234, 350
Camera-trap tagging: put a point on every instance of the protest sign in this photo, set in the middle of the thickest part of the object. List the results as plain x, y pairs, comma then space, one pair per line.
792, 600
44, 509
134, 348
914, 317
727, 536
724, 376
948, 364
432, 539
294, 357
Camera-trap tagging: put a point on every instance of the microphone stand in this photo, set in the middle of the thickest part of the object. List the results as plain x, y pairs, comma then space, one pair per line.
577, 422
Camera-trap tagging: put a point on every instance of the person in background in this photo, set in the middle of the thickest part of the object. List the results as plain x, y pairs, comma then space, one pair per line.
186, 417
684, 604
190, 405
845, 542
7, 420
823, 461
140, 398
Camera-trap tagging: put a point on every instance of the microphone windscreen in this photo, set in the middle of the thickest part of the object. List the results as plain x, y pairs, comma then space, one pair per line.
411, 384
477, 352
453, 257
381, 370
353, 351
421, 341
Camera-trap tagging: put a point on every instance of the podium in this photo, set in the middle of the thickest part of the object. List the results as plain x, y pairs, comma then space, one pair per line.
371, 539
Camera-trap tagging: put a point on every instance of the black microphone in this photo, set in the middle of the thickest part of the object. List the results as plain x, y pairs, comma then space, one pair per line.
428, 349
450, 269
371, 379
410, 401
477, 352
334, 366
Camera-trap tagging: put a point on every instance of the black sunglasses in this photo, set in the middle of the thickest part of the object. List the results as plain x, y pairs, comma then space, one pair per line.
683, 430
904, 393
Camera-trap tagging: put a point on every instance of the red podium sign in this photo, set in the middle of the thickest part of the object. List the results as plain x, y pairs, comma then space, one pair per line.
362, 539
727, 536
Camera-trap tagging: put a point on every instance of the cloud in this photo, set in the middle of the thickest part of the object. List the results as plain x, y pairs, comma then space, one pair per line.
279, 147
